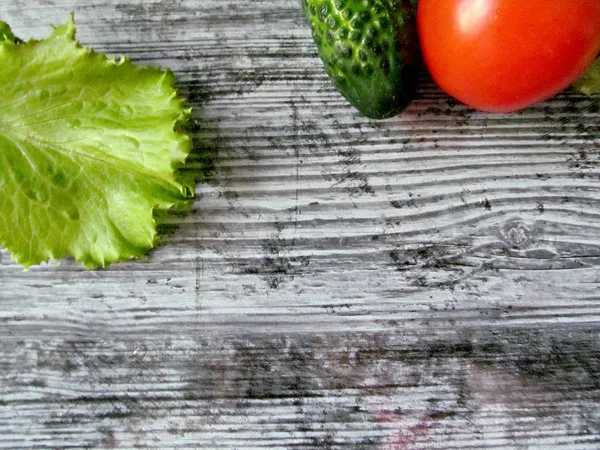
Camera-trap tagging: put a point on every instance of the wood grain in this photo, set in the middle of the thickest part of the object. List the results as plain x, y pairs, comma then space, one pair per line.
428, 281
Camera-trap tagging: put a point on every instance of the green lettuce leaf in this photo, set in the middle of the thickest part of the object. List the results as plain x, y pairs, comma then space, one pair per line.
6, 33
590, 82
89, 150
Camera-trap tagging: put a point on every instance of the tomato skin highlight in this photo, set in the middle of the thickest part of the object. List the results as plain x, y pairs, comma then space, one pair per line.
506, 55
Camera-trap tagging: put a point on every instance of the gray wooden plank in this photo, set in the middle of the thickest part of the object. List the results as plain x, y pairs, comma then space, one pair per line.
428, 281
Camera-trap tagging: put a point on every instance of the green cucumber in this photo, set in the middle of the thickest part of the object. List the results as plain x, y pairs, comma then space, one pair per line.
370, 50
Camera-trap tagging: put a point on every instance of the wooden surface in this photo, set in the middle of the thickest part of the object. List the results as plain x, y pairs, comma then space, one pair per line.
428, 281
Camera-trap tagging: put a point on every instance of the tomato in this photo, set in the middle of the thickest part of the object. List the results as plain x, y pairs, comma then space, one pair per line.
505, 55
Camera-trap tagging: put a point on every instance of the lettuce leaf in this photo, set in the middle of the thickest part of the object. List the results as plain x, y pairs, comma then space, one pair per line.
6, 33
89, 150
590, 82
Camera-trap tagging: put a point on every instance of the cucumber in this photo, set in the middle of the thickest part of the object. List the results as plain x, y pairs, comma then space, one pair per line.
370, 50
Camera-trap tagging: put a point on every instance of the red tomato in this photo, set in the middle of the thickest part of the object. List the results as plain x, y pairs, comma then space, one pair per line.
505, 55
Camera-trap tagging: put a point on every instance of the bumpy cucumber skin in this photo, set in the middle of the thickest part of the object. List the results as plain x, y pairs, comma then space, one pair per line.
370, 51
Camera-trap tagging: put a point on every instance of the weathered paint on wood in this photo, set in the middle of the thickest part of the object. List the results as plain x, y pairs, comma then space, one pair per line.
428, 281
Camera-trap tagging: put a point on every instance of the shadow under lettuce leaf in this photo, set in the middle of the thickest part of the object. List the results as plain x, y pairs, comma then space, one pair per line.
201, 166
